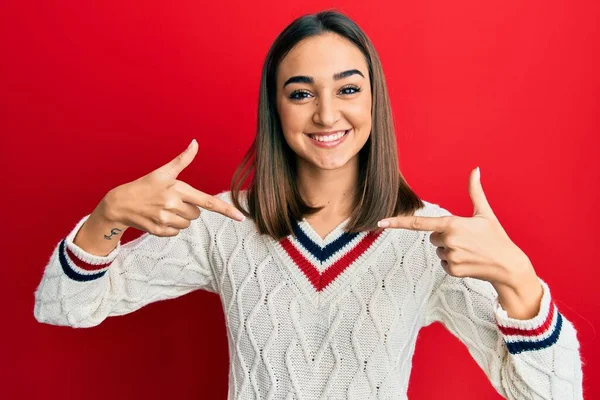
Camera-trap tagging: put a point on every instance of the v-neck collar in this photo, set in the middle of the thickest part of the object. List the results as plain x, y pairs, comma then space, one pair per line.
320, 247
322, 267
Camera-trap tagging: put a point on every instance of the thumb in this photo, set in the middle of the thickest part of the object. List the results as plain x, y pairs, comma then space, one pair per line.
179, 163
480, 203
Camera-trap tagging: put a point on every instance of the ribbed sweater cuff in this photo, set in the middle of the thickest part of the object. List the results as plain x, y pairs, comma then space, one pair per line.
84, 256
80, 265
536, 333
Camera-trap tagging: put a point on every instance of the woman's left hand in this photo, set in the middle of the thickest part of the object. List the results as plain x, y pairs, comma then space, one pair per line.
478, 247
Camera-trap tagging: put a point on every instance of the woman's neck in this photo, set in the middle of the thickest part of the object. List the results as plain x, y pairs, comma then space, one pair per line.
332, 189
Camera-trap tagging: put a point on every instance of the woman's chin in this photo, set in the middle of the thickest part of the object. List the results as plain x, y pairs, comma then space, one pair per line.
331, 164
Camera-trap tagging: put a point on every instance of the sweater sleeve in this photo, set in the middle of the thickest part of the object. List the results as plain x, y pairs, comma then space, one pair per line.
80, 290
523, 359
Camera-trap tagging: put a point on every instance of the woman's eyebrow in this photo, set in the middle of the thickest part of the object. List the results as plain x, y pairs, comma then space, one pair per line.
310, 80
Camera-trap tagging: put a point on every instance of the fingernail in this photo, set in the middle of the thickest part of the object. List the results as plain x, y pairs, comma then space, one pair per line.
478, 174
383, 224
239, 216
191, 143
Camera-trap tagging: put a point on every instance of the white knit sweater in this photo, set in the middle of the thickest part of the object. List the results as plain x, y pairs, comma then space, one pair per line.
313, 318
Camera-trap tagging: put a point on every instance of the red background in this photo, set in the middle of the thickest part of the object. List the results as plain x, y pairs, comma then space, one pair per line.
92, 96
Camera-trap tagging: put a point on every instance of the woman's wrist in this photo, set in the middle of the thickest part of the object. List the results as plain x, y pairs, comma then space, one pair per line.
521, 293
108, 213
101, 232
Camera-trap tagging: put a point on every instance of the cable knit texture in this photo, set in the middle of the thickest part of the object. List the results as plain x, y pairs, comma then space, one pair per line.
314, 318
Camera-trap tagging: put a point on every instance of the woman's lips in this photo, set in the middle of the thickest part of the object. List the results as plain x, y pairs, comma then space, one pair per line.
331, 144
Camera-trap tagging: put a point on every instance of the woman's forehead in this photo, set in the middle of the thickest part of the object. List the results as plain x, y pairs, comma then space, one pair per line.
320, 57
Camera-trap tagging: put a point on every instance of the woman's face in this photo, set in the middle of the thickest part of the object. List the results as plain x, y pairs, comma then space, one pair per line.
323, 92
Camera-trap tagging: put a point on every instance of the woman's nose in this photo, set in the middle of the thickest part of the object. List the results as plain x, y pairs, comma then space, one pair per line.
326, 112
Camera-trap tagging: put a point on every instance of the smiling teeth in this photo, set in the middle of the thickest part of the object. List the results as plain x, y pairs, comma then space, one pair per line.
329, 138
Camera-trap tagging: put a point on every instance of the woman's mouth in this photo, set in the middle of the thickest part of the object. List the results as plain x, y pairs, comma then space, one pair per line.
329, 141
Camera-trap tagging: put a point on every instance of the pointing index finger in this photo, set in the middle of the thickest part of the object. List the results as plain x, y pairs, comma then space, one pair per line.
208, 202
416, 223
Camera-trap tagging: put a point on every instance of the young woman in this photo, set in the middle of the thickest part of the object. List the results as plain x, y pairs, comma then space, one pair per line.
319, 300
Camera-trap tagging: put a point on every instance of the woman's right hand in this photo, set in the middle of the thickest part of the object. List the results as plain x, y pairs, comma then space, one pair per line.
159, 203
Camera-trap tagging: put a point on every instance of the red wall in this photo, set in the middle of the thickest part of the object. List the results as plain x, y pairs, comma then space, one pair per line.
92, 96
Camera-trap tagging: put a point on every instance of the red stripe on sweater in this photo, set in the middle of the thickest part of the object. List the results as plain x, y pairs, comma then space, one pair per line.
340, 265
82, 264
305, 266
531, 332
318, 280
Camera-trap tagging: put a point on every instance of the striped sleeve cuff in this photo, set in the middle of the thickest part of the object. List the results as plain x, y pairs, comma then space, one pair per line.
537, 333
80, 265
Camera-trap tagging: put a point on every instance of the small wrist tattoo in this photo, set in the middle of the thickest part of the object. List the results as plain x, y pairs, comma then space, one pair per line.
113, 231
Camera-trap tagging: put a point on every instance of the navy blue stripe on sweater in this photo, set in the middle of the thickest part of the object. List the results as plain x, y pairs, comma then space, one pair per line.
322, 253
521, 346
62, 257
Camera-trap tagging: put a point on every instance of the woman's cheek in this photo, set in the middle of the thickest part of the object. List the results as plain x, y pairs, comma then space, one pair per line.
289, 118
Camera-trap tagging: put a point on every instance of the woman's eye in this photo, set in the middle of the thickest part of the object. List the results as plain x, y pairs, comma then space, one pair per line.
350, 90
299, 95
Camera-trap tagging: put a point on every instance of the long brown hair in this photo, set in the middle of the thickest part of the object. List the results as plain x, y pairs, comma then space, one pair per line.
273, 199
